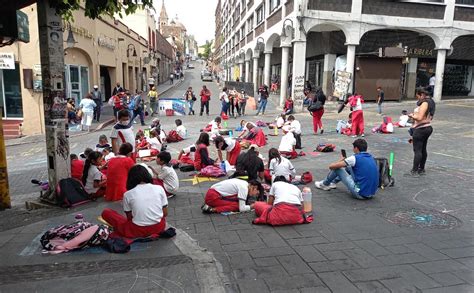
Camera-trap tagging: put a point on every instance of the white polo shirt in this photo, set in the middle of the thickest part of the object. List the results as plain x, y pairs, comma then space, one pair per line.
287, 143
230, 144
146, 202
284, 168
295, 127
286, 193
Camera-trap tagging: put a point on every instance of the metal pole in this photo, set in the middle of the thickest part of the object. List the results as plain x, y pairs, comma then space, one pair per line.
5, 202
52, 70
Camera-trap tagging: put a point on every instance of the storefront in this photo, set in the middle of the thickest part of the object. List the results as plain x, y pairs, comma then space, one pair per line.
11, 103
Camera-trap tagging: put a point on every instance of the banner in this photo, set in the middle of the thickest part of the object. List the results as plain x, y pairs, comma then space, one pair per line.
341, 86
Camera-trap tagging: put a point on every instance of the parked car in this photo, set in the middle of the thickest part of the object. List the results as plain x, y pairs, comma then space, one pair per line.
190, 66
206, 76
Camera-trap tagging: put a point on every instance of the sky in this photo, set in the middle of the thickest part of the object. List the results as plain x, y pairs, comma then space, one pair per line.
196, 15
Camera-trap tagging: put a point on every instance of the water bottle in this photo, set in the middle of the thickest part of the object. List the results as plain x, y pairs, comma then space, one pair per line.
307, 197
230, 133
223, 166
79, 218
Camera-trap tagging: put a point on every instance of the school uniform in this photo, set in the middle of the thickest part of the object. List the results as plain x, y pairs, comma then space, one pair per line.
287, 144
295, 128
155, 145
357, 115
181, 130
146, 203
283, 168
233, 149
255, 135
117, 173
286, 208
188, 155
123, 134
168, 179
77, 168
93, 174
228, 196
201, 157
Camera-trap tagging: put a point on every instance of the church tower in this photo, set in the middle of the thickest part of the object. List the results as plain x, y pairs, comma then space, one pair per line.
163, 17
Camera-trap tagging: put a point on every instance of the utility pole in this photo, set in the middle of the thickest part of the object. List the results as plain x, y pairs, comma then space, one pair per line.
52, 70
4, 190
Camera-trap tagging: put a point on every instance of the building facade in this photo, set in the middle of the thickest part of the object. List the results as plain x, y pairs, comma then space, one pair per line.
175, 32
104, 51
398, 45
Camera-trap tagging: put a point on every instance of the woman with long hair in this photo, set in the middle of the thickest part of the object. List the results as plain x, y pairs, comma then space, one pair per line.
230, 146
92, 179
249, 164
201, 156
320, 98
279, 166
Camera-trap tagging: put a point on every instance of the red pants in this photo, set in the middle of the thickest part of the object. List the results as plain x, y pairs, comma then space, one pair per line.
234, 154
126, 228
215, 200
290, 155
317, 123
267, 176
159, 182
357, 122
278, 215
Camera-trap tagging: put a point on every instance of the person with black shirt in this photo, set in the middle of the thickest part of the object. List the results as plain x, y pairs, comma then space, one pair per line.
249, 164
117, 89
380, 99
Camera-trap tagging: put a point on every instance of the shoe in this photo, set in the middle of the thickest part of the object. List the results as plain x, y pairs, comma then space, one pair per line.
206, 209
170, 195
422, 172
322, 131
320, 185
143, 124
332, 185
412, 174
134, 122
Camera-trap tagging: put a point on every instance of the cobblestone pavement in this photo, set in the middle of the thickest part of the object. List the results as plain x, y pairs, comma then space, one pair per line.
381, 245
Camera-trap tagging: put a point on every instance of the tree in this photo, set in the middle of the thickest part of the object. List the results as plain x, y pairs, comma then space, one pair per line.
207, 49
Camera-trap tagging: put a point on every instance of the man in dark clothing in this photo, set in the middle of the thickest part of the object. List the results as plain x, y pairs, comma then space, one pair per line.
117, 89
380, 99
97, 97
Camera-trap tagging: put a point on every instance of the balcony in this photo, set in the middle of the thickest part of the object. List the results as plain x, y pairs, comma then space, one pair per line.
331, 5
403, 9
289, 7
274, 18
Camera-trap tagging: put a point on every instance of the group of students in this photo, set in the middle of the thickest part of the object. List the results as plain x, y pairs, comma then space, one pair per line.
233, 103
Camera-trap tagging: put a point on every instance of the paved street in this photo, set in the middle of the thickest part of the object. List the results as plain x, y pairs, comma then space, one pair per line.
381, 245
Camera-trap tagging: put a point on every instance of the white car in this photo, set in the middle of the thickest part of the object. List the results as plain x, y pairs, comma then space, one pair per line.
206, 76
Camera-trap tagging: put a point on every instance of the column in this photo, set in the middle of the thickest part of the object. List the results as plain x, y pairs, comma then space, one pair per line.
241, 71
247, 71
255, 74
329, 62
439, 74
411, 78
299, 64
285, 56
266, 68
350, 65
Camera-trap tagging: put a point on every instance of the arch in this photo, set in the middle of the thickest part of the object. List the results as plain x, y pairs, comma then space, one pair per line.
70, 54
269, 44
327, 26
371, 40
248, 54
434, 37
461, 36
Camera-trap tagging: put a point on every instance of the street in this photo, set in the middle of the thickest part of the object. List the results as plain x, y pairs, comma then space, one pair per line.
352, 246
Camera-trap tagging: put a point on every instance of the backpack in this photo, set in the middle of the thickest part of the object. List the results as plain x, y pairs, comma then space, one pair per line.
74, 236
173, 136
385, 179
131, 105
186, 168
326, 147
212, 171
306, 177
70, 192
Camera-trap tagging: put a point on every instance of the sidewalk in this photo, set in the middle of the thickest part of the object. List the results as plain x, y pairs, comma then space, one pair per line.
107, 119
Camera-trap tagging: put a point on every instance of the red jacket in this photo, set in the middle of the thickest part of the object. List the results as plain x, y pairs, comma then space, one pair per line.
205, 95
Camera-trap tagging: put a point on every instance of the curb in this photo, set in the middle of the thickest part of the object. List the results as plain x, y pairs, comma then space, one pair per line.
98, 128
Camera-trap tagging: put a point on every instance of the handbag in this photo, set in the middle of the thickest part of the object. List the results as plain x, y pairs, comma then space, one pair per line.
315, 106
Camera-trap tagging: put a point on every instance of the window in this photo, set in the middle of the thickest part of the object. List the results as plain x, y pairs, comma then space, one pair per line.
242, 4
274, 4
242, 31
11, 103
260, 12
250, 24
465, 2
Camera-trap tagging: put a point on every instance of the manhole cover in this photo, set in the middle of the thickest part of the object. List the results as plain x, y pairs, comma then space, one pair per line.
422, 218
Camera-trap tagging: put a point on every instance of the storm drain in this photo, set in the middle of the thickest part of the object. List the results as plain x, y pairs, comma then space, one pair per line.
39, 272
422, 218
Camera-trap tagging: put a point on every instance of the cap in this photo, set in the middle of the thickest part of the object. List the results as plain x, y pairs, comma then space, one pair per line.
96, 86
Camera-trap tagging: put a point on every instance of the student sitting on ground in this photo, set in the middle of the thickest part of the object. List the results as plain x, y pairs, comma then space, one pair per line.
230, 146
117, 171
279, 122
122, 132
186, 155
284, 205
92, 179
155, 142
180, 129
344, 127
201, 156
288, 109
77, 167
166, 175
86, 153
231, 196
107, 154
145, 206
141, 142
404, 120
295, 128
155, 123
287, 144
279, 166
385, 127
103, 143
363, 183
252, 134
250, 164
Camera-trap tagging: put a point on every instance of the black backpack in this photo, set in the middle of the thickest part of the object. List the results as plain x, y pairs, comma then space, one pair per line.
385, 179
70, 192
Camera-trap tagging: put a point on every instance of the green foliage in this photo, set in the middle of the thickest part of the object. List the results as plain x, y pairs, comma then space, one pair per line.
207, 49
96, 8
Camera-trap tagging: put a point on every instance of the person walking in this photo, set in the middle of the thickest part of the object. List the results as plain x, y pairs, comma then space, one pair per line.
263, 91
224, 98
205, 98
171, 78
380, 99
421, 131
117, 89
190, 99
431, 85
138, 108
97, 98
153, 98
87, 106
319, 98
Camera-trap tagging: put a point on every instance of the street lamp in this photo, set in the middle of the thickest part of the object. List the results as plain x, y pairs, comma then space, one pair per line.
70, 39
283, 31
134, 53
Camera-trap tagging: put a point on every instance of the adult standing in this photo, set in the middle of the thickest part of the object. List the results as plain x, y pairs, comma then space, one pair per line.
190, 99
242, 99
87, 106
171, 78
117, 89
431, 84
138, 108
97, 98
224, 98
205, 98
421, 131
380, 99
263, 92
320, 99
153, 98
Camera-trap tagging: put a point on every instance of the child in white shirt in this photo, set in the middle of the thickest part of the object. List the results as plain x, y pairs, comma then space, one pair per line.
295, 128
280, 166
155, 141
403, 120
180, 129
287, 144
167, 177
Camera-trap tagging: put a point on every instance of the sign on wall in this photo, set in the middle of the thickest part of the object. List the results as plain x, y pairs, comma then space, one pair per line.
37, 79
7, 61
341, 86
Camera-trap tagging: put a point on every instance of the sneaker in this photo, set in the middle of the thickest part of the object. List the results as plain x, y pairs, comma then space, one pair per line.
332, 185
353, 135
363, 135
206, 209
412, 174
134, 122
320, 185
322, 131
